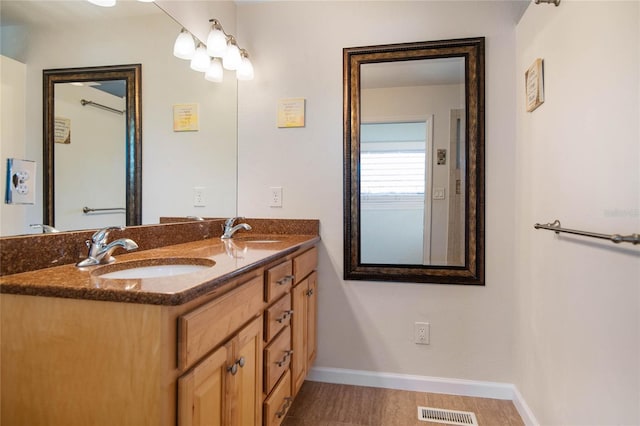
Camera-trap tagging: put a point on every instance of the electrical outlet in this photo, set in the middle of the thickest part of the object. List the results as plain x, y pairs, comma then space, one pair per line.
421, 333
275, 196
198, 196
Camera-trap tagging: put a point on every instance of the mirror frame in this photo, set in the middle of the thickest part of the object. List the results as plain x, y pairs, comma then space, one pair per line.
133, 139
472, 272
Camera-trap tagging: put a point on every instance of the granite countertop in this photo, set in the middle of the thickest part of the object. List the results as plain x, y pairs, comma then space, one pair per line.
231, 260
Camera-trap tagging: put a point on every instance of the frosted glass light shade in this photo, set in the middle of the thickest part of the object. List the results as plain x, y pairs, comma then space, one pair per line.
215, 72
184, 47
232, 59
201, 60
245, 70
103, 3
216, 43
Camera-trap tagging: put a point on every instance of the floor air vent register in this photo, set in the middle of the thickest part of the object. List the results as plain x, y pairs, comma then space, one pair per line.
450, 417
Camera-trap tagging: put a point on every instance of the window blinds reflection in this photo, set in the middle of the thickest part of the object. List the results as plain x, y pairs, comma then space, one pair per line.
392, 172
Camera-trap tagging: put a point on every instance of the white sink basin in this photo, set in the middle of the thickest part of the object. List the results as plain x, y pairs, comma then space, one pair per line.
153, 268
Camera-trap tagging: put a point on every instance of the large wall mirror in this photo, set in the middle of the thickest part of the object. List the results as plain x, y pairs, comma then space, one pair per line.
414, 162
79, 42
92, 175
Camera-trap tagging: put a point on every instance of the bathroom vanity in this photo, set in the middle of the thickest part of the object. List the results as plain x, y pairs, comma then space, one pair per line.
228, 344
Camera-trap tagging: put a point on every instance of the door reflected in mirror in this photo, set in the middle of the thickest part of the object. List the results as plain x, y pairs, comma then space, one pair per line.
414, 143
90, 161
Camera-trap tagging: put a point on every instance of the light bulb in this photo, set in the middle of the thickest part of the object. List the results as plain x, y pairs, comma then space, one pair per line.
216, 42
245, 70
214, 72
103, 3
232, 59
184, 47
201, 60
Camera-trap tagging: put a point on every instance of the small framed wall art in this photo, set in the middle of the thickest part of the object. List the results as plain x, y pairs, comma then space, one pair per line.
185, 118
534, 85
291, 112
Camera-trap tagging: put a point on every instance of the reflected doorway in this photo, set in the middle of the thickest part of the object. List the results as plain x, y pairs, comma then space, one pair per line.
394, 177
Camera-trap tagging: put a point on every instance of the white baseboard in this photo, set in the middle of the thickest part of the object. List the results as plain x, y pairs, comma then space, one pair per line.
425, 384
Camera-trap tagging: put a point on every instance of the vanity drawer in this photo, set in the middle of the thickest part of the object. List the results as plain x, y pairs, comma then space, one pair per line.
278, 281
277, 317
278, 403
304, 264
204, 328
277, 357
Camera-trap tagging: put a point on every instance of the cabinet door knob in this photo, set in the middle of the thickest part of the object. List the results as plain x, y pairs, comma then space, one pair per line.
233, 369
241, 361
310, 292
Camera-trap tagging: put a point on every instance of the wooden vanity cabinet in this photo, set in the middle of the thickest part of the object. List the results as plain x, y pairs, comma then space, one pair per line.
76, 361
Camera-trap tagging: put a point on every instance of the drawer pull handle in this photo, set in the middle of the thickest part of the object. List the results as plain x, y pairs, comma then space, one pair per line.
285, 280
310, 292
234, 368
285, 315
283, 361
285, 406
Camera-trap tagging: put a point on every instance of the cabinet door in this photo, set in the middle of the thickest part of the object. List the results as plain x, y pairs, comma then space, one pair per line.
225, 389
246, 405
312, 315
298, 335
202, 391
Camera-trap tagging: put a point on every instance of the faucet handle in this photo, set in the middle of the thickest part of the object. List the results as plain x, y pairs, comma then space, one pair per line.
229, 222
100, 235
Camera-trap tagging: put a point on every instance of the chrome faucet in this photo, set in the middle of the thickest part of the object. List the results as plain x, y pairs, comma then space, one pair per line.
100, 251
229, 229
46, 229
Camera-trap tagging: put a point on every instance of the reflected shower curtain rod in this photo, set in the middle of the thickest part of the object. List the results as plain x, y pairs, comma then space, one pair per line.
616, 238
85, 102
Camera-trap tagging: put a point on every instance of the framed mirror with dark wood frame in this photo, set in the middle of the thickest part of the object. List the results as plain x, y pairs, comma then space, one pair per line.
414, 162
122, 152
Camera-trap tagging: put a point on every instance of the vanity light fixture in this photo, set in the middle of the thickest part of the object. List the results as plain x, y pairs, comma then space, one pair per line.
217, 40
201, 60
221, 51
245, 70
184, 47
231, 61
214, 72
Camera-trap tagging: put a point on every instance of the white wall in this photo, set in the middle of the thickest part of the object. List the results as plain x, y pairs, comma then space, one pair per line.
578, 160
297, 52
12, 129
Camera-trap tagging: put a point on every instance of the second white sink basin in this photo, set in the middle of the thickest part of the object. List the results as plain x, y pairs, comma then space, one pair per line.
153, 268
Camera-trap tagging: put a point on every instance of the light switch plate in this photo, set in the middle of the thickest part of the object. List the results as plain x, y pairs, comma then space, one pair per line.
438, 193
21, 182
